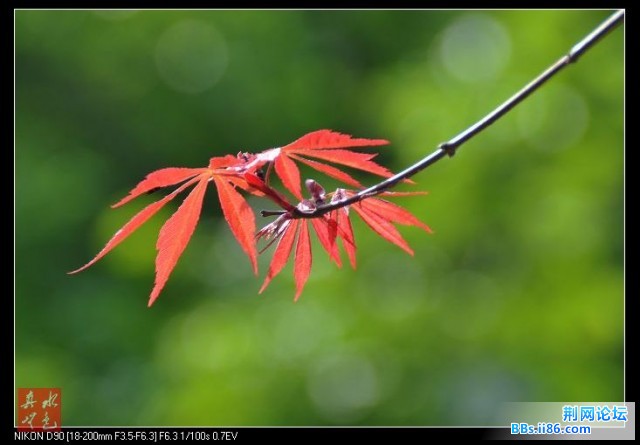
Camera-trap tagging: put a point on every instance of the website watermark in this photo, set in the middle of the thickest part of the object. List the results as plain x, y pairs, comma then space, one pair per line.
590, 420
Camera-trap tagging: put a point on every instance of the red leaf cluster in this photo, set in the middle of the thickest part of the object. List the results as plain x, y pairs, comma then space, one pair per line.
243, 172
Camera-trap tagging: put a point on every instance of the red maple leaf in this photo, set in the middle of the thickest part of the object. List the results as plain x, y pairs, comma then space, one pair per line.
322, 145
377, 213
177, 231
380, 215
303, 257
244, 172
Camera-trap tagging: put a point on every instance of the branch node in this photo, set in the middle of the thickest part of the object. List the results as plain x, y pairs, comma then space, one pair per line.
448, 148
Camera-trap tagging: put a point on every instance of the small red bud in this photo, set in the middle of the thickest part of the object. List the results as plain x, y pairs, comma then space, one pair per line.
316, 190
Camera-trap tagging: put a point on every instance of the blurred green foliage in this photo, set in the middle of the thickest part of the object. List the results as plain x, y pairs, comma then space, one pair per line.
518, 296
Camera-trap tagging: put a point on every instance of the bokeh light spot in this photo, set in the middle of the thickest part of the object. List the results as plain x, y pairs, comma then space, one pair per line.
475, 48
554, 118
343, 386
191, 56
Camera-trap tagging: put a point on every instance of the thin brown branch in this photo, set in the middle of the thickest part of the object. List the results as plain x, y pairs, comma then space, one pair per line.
450, 147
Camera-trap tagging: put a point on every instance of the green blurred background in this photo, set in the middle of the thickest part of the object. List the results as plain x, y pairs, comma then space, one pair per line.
518, 296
